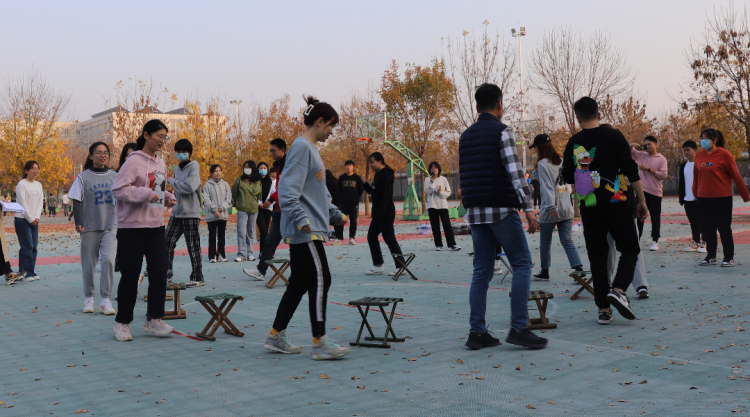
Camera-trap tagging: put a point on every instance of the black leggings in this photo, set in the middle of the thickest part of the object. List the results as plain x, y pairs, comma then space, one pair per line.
264, 222
132, 245
219, 226
716, 214
384, 227
436, 216
653, 203
351, 209
691, 210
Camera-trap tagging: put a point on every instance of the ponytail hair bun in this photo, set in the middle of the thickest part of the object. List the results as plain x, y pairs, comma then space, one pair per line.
316, 109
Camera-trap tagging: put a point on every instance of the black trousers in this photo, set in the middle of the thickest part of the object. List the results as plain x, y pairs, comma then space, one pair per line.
716, 213
310, 275
436, 216
132, 245
268, 249
263, 221
351, 209
385, 228
537, 198
617, 220
219, 226
691, 210
653, 203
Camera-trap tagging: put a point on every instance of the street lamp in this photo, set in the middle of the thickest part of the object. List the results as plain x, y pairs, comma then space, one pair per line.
521, 32
236, 108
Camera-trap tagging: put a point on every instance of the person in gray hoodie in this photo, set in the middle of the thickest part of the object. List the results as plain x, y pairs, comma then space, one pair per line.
556, 208
186, 215
217, 197
306, 211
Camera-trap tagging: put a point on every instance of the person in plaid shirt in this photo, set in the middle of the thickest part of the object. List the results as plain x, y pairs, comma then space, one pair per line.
494, 189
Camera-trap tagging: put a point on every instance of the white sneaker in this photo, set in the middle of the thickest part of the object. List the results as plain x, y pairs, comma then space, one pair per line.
393, 273
336, 242
250, 257
280, 343
239, 259
692, 247
375, 270
157, 327
88, 305
498, 268
254, 273
212, 261
702, 248
220, 258
455, 248
27, 279
36, 277
328, 349
122, 332
105, 306
438, 248
351, 241
654, 246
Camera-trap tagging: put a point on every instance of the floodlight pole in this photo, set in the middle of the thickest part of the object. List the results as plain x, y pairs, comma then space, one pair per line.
521, 32
236, 109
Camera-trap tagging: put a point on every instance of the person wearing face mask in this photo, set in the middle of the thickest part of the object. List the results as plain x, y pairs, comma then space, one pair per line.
713, 173
246, 192
264, 214
217, 197
653, 167
186, 215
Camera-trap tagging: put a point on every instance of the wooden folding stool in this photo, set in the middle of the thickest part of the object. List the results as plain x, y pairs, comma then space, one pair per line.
277, 272
585, 283
381, 303
219, 315
542, 322
403, 266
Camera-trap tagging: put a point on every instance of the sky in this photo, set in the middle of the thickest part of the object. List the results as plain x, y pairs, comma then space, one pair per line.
258, 50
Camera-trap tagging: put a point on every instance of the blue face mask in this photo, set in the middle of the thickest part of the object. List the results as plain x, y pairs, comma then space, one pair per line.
263, 172
705, 143
182, 156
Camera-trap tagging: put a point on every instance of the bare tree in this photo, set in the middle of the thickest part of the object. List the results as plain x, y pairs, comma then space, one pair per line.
472, 61
721, 66
566, 66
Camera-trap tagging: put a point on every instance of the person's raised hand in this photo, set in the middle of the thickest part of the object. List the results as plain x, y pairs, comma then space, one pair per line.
533, 224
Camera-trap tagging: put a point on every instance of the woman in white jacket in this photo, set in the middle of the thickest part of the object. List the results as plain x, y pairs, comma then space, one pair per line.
437, 190
217, 198
30, 196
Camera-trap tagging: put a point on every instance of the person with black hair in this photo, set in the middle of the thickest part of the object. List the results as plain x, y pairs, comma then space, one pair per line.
141, 200
383, 214
332, 184
598, 161
494, 189
186, 214
306, 213
277, 150
437, 190
52, 204
653, 166
350, 191
264, 214
246, 193
96, 222
218, 200
30, 195
714, 171
64, 204
129, 148
687, 198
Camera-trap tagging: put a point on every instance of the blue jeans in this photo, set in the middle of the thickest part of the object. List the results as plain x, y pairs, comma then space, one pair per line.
28, 239
564, 231
245, 233
510, 234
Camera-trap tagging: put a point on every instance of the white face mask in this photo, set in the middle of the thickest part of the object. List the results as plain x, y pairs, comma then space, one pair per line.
247, 171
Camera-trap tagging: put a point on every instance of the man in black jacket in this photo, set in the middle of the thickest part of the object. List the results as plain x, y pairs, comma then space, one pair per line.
350, 191
383, 213
687, 199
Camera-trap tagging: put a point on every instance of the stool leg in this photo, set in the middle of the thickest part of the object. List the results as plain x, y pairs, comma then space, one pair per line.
203, 333
227, 324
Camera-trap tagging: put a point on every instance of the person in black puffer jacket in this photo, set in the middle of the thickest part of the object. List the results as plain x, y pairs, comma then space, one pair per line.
383, 213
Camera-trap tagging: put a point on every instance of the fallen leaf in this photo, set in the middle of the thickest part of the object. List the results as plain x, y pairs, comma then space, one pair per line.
551, 402
459, 361
615, 370
234, 370
218, 373
412, 359
24, 369
480, 377
626, 383
82, 410
518, 368
324, 376
69, 321
71, 366
542, 378
643, 382
621, 401
2, 402
337, 328
497, 366
530, 407
361, 386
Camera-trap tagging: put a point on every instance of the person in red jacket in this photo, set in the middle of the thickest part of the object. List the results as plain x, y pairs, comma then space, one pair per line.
713, 173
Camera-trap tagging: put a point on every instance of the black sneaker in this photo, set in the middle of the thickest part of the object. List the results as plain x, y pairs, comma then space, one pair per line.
727, 263
478, 341
579, 268
642, 292
621, 302
708, 262
526, 338
605, 317
542, 275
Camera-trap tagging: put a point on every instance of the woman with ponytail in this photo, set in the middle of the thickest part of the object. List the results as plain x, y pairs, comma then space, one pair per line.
95, 220
142, 198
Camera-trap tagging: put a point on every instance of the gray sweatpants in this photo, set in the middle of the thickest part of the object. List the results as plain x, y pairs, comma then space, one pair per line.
92, 244
639, 278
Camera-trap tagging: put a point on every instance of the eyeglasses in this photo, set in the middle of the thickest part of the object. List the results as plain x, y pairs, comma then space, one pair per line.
165, 138
273, 150
101, 153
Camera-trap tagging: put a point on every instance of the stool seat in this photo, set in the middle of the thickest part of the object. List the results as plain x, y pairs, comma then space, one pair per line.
379, 302
219, 314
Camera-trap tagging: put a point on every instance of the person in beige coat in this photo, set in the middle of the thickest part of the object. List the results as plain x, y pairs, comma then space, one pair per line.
437, 190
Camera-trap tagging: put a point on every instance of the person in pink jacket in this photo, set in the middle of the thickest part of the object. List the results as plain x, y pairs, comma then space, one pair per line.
141, 198
653, 166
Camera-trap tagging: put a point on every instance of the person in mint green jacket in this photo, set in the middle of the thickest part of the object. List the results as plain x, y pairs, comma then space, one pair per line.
246, 192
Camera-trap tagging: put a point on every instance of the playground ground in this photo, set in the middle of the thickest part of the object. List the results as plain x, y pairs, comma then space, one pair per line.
684, 355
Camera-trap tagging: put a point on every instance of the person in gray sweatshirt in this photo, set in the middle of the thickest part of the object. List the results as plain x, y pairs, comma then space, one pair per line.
306, 211
556, 209
217, 197
186, 215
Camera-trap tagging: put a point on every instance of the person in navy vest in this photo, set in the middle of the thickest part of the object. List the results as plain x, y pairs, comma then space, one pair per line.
494, 189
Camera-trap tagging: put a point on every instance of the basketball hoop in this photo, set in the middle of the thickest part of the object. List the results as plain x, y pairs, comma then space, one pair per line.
363, 141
